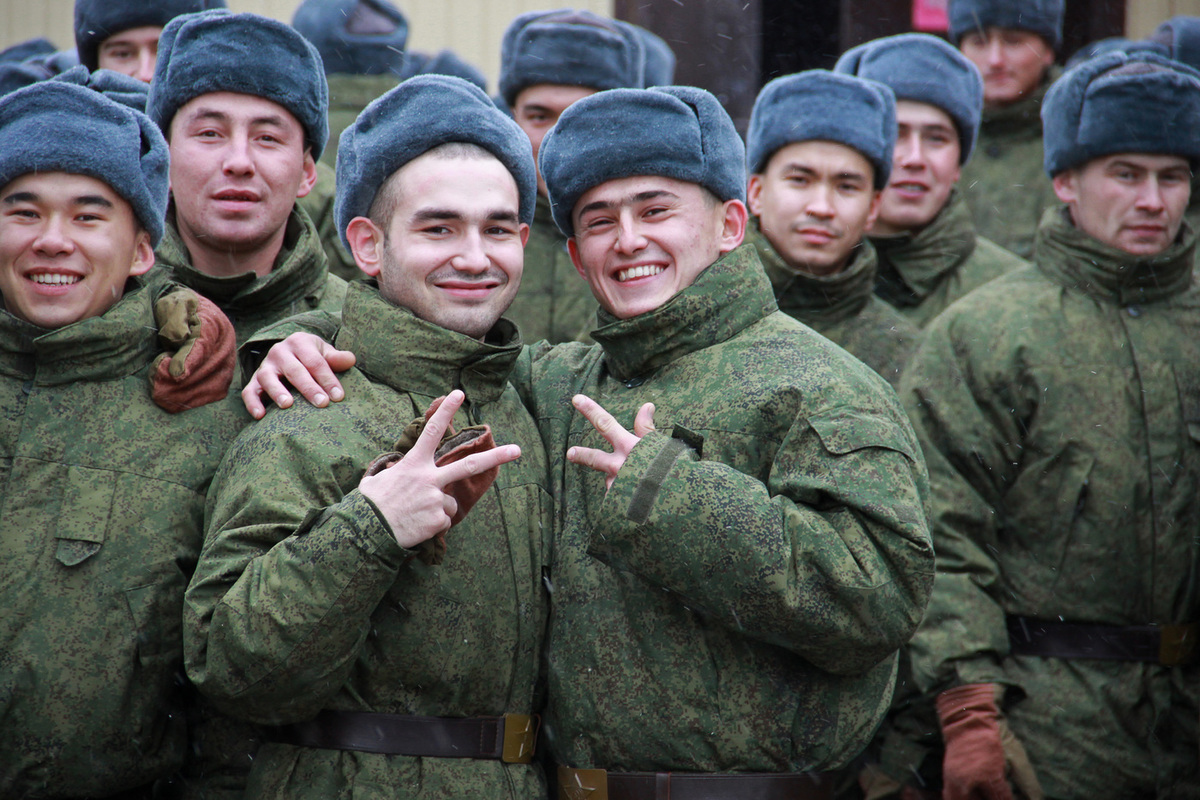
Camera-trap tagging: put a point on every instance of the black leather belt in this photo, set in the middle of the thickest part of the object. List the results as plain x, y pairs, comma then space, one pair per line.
598, 784
510, 738
1169, 645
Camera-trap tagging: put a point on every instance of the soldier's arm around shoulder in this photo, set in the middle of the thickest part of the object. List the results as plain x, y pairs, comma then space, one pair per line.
829, 556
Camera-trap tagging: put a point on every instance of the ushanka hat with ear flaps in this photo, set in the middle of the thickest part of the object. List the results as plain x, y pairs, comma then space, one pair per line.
923, 68
574, 48
1043, 17
69, 125
96, 20
678, 132
1181, 37
1122, 103
817, 104
412, 119
217, 51
355, 37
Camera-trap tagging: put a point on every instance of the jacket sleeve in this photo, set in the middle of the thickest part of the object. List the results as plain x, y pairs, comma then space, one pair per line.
969, 413
829, 558
289, 576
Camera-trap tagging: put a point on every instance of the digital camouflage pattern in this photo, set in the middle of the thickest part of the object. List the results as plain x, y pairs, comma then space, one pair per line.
304, 601
1005, 183
319, 203
554, 302
101, 520
842, 307
735, 602
921, 274
299, 281
1059, 409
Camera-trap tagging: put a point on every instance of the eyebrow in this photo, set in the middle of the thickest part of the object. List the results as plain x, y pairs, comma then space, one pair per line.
82, 200
640, 197
218, 114
807, 170
434, 214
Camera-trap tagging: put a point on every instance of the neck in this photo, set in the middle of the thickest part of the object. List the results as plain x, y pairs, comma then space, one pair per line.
224, 261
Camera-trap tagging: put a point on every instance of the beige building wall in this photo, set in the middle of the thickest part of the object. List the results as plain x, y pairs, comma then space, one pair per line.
1143, 16
471, 28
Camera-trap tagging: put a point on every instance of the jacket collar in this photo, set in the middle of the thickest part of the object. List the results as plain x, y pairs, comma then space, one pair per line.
120, 342
300, 270
817, 298
395, 347
912, 266
1072, 258
730, 295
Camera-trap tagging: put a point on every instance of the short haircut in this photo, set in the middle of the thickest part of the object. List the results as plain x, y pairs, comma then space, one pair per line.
383, 207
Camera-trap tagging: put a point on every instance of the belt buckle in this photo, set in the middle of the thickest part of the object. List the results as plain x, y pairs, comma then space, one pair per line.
582, 784
1177, 644
520, 739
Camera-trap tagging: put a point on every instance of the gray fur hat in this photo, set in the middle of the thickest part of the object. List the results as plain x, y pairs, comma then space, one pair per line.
1137, 102
817, 104
415, 117
1043, 17
355, 37
678, 132
920, 67
216, 51
96, 20
69, 125
1181, 37
576, 48
659, 58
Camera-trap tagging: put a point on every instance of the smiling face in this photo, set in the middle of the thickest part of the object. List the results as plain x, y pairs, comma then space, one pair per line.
924, 169
640, 241
1011, 61
1133, 202
538, 107
238, 163
814, 200
131, 52
453, 250
68, 243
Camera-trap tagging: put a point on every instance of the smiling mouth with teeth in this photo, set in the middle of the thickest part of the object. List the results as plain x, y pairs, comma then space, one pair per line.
638, 272
54, 279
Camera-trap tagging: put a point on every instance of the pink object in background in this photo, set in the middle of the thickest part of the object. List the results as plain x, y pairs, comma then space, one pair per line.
929, 16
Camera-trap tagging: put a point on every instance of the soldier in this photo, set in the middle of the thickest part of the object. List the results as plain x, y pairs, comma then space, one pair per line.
929, 251
1013, 43
101, 506
242, 101
711, 586
1057, 407
819, 152
388, 661
548, 60
122, 35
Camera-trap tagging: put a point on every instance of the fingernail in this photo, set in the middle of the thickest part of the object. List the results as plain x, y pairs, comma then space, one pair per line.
337, 394
320, 400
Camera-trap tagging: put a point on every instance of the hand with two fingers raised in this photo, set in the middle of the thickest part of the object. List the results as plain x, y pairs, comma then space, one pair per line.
614, 433
412, 493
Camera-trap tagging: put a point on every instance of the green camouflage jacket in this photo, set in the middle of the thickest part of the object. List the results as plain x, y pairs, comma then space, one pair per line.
554, 302
921, 274
1005, 181
319, 203
304, 601
1058, 409
735, 602
101, 519
299, 281
843, 307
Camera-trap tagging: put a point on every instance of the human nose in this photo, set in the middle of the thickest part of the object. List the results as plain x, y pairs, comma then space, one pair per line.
145, 67
820, 203
910, 153
629, 234
1150, 197
52, 239
238, 160
473, 256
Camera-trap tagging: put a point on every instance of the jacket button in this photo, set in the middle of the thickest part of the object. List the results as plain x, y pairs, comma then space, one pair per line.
1134, 311
633, 383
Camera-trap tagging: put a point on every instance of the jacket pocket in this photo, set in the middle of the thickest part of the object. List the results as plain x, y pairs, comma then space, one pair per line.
84, 515
845, 430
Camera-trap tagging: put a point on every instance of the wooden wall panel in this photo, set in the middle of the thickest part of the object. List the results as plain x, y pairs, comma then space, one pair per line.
1143, 16
471, 28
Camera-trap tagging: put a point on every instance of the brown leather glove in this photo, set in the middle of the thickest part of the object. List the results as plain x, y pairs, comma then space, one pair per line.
982, 754
198, 364
455, 446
